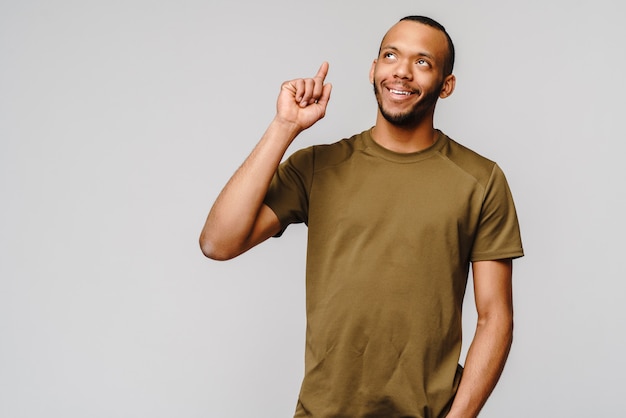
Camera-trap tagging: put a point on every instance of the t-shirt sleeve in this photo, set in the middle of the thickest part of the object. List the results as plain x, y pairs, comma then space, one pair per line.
288, 193
498, 235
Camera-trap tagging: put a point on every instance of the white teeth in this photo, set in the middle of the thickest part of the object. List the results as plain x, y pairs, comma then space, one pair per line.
405, 93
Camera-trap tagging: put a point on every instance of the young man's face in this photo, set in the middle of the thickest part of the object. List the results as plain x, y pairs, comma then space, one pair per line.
408, 76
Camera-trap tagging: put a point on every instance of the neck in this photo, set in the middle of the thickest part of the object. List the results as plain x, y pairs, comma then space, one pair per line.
404, 139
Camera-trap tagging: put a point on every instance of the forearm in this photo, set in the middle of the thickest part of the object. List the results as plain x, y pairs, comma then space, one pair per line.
484, 364
233, 215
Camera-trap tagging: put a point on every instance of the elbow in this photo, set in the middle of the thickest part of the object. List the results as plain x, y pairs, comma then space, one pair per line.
498, 323
505, 330
215, 253
214, 250
217, 250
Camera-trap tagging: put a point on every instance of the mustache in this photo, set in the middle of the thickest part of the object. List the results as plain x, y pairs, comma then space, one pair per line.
395, 86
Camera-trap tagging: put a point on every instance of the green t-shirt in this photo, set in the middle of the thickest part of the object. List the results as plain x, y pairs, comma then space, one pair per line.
390, 240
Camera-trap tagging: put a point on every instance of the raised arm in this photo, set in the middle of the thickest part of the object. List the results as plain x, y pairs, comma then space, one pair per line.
238, 219
492, 341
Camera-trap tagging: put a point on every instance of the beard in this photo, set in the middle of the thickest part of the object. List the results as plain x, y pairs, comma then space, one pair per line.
414, 115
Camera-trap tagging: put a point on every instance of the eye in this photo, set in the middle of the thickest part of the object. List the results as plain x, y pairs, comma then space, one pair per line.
423, 62
389, 55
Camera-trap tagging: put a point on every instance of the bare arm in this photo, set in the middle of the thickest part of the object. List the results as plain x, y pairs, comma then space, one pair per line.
492, 341
238, 219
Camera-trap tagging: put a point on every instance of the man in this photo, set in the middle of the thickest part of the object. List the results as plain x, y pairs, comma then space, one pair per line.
396, 215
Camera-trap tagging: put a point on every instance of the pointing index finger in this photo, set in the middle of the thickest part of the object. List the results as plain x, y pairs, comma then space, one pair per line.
322, 72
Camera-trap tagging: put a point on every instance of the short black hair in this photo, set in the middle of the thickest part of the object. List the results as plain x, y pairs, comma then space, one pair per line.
449, 64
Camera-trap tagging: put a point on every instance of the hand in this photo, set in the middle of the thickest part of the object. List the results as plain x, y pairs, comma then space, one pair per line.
303, 101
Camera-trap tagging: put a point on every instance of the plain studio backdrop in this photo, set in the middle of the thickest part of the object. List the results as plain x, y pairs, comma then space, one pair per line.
120, 121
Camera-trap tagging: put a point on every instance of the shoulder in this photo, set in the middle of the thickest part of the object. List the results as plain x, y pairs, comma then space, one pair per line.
472, 163
328, 155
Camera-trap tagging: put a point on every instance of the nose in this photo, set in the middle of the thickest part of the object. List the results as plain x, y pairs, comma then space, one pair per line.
403, 70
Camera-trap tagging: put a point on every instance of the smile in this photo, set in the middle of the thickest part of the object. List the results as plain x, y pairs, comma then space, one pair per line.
400, 92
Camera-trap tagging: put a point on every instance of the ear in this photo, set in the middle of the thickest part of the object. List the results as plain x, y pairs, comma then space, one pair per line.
448, 86
372, 71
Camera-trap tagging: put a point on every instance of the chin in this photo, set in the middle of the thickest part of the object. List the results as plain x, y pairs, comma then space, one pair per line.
410, 118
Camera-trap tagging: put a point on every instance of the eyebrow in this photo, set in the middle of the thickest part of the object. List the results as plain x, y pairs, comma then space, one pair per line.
419, 54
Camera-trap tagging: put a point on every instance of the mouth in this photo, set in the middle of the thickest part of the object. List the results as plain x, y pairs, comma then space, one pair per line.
401, 92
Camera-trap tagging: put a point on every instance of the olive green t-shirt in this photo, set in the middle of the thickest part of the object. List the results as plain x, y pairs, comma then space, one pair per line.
390, 240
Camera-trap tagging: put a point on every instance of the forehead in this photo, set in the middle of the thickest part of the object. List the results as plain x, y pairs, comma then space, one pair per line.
415, 37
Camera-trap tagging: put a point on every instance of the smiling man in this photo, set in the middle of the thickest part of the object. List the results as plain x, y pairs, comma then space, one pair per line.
396, 216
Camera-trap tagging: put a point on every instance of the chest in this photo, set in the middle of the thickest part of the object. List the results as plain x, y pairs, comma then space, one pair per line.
428, 196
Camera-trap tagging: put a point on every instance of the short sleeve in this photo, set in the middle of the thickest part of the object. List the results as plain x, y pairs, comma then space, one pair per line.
288, 193
498, 234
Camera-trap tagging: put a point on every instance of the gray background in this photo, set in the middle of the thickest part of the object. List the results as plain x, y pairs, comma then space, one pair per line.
120, 121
